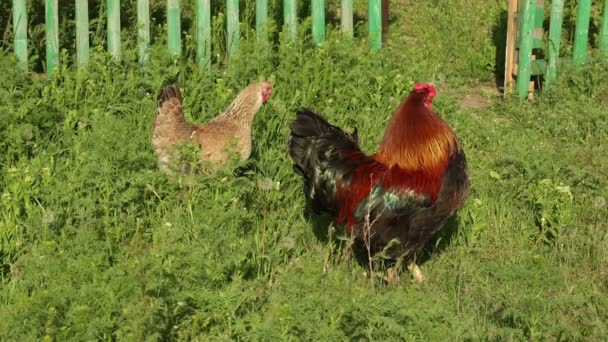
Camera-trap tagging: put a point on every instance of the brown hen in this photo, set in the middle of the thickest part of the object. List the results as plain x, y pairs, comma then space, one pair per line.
232, 128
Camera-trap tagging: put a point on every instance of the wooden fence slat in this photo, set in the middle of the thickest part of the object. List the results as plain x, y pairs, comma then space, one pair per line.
289, 17
524, 69
203, 33
604, 31
20, 29
385, 11
232, 26
583, 14
114, 28
143, 31
510, 48
555, 37
174, 31
318, 21
346, 17
375, 24
52, 36
82, 32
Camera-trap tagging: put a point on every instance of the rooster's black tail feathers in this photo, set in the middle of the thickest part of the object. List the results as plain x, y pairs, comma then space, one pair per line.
311, 135
312, 146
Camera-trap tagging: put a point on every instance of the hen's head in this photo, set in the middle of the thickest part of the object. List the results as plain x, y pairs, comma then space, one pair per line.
266, 90
427, 91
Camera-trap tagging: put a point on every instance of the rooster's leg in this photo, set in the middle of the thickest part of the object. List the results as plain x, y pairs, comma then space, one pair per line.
416, 272
391, 276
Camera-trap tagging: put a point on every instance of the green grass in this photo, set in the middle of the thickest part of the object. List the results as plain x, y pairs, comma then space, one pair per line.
98, 244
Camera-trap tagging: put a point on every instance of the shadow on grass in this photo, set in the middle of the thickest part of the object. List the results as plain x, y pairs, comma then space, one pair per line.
441, 240
320, 223
499, 38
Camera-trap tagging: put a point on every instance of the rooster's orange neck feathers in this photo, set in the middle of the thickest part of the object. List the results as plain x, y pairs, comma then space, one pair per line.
416, 138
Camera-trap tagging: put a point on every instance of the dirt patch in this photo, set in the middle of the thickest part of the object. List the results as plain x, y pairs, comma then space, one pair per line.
474, 101
480, 96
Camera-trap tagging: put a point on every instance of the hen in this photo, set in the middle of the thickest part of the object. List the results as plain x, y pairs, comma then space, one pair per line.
233, 126
407, 190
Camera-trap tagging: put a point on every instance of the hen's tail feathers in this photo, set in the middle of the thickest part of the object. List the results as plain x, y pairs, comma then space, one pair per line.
169, 126
170, 104
168, 93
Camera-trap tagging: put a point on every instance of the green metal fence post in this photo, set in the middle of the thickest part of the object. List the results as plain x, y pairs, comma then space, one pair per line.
604, 31
174, 31
555, 37
583, 14
20, 28
143, 31
52, 36
347, 17
203, 33
114, 28
375, 24
232, 14
318, 21
261, 14
261, 29
82, 32
524, 69
289, 17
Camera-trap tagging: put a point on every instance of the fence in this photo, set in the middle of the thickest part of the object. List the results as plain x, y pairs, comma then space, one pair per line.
376, 20
525, 35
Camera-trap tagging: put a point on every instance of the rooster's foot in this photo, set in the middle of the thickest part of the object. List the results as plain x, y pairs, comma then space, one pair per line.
416, 273
392, 277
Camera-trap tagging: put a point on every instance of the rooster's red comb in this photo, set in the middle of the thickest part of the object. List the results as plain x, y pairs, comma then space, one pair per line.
425, 88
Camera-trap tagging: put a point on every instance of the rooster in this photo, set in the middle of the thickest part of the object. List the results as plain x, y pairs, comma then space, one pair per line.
214, 137
406, 191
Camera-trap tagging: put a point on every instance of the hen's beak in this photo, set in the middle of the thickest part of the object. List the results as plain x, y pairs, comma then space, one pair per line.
266, 90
